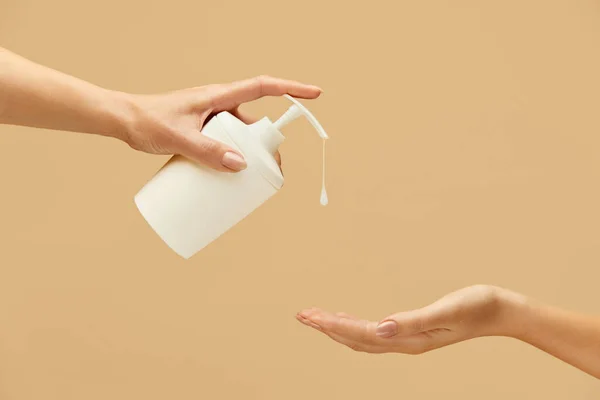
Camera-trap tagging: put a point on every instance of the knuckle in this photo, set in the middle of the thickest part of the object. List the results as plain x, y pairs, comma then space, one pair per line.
260, 83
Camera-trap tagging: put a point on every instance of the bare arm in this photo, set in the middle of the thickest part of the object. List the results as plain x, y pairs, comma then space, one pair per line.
40, 97
170, 123
466, 314
571, 337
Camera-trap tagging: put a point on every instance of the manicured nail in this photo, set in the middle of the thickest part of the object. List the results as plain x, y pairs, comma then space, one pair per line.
233, 161
387, 329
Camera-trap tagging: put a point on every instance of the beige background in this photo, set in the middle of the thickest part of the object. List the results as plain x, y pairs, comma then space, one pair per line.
465, 138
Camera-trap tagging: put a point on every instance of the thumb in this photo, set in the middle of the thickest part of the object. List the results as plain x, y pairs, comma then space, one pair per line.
212, 153
411, 322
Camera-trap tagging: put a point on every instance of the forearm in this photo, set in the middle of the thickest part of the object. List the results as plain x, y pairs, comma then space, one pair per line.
36, 96
571, 337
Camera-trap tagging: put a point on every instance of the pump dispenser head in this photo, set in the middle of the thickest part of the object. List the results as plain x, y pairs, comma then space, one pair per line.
296, 110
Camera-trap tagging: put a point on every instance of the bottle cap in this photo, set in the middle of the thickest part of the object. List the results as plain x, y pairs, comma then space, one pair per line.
296, 110
260, 141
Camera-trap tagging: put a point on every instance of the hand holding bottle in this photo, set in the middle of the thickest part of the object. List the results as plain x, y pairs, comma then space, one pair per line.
170, 123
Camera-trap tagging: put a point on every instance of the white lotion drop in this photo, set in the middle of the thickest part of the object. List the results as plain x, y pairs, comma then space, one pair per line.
324, 198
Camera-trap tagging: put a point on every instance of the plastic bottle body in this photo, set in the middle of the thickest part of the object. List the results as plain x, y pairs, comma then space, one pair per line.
189, 205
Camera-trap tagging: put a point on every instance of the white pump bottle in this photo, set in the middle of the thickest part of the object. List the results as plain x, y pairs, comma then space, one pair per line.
189, 205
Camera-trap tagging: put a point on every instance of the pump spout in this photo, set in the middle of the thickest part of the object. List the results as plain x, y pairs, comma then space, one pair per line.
296, 110
291, 114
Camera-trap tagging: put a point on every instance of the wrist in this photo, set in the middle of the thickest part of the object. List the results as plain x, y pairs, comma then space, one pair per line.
514, 309
121, 114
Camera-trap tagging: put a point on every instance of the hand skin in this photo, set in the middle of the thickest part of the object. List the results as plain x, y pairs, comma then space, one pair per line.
170, 123
469, 313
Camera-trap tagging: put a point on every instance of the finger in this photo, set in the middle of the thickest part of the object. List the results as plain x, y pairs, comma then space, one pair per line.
278, 159
211, 153
307, 322
356, 346
304, 316
356, 330
243, 116
347, 316
231, 95
369, 342
413, 322
414, 344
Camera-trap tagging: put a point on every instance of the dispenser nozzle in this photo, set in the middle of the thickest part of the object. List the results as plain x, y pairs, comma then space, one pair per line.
291, 114
295, 111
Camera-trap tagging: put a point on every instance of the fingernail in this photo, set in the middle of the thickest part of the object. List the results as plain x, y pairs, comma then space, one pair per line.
233, 161
387, 329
